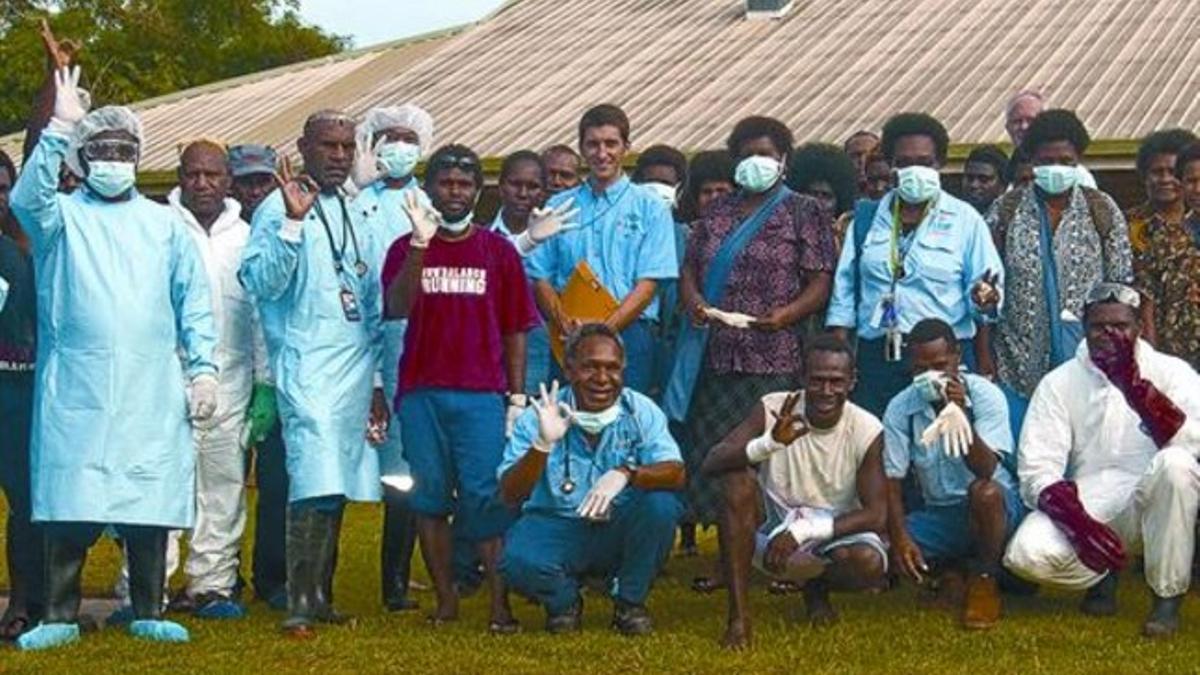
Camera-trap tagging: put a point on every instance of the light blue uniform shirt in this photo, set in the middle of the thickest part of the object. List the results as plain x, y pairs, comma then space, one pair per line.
944, 480
951, 250
627, 234
638, 437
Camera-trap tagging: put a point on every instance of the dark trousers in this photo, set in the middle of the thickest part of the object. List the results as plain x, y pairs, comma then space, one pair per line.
25, 545
269, 574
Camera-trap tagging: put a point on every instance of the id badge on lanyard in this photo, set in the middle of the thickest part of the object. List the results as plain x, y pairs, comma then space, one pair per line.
350, 305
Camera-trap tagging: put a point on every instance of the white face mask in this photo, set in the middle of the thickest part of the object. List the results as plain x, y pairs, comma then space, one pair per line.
757, 173
594, 422
918, 184
111, 179
665, 192
459, 226
397, 160
1055, 179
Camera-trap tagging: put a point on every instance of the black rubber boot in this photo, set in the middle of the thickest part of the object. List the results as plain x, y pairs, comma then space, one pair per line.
303, 571
1101, 599
396, 551
147, 551
1163, 621
64, 571
329, 533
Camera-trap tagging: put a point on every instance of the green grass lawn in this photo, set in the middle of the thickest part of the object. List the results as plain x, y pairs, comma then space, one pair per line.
885, 632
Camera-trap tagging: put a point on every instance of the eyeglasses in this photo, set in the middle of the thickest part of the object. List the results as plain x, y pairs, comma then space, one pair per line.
110, 150
1110, 292
464, 162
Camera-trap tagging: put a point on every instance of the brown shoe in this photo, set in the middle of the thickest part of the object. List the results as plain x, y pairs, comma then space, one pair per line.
981, 608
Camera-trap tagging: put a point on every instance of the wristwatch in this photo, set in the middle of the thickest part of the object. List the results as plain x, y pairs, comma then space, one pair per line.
630, 470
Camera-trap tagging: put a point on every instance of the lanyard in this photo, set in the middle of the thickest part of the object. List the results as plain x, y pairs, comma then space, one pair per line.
900, 248
339, 253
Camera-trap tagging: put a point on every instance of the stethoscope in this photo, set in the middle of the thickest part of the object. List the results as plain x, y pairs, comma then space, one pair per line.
627, 440
360, 266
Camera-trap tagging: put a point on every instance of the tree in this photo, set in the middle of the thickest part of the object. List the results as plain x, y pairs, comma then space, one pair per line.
132, 50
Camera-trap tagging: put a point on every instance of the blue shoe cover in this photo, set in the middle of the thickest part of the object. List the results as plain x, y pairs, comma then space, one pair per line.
159, 631
121, 616
221, 609
48, 636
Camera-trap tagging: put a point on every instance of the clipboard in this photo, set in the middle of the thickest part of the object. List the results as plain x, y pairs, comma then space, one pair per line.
584, 298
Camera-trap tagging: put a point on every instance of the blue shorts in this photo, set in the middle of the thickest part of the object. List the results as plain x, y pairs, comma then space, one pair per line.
944, 532
454, 441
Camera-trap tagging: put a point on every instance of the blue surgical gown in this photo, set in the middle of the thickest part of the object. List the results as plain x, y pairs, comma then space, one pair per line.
121, 294
382, 211
323, 362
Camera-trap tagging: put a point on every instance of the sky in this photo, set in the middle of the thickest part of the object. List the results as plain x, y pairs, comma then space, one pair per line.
370, 22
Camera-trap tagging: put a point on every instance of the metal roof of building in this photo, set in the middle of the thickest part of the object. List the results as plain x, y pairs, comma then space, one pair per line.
685, 70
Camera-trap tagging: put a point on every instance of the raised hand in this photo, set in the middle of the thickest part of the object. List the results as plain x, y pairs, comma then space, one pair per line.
554, 418
789, 424
299, 191
68, 106
425, 220
59, 55
547, 222
985, 294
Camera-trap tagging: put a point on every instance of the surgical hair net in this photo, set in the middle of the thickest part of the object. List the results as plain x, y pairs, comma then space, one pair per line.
408, 116
108, 118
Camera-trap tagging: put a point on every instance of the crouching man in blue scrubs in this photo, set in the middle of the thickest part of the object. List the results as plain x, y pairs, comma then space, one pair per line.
598, 474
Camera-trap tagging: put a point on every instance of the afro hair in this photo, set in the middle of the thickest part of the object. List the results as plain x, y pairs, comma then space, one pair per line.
816, 162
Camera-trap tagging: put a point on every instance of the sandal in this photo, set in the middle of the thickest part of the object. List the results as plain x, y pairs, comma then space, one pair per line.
706, 585
783, 587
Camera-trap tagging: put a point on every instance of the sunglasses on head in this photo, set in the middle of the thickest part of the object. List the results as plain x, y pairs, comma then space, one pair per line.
464, 162
1110, 292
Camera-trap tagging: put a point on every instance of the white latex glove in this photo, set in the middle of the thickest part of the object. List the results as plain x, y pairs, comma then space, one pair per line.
733, 319
203, 403
366, 167
554, 418
425, 220
599, 499
516, 406
759, 449
68, 105
545, 223
953, 427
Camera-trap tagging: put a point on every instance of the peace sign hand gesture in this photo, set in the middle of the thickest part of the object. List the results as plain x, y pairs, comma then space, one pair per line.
789, 424
299, 191
985, 294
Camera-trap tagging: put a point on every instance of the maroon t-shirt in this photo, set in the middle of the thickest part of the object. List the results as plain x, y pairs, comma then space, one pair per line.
473, 292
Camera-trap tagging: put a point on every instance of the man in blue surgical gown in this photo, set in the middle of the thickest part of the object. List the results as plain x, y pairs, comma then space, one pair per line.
120, 287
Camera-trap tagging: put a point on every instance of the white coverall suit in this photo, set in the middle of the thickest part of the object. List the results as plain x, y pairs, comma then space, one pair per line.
1080, 427
215, 541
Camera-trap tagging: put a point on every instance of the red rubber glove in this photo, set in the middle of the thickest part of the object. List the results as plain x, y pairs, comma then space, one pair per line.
1096, 544
1161, 418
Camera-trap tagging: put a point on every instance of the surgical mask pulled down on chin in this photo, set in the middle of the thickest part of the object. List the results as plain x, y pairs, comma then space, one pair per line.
594, 422
757, 173
918, 184
1055, 179
666, 193
111, 179
397, 160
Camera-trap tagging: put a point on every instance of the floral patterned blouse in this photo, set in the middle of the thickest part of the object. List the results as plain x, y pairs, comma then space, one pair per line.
795, 243
1169, 273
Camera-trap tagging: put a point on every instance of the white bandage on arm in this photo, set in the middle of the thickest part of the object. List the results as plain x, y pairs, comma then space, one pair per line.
291, 230
812, 528
759, 449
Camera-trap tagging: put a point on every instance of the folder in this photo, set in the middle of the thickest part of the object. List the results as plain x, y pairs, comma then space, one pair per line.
583, 298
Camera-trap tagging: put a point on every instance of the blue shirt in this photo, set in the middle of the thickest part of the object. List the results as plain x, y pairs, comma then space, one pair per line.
638, 437
945, 480
626, 234
950, 251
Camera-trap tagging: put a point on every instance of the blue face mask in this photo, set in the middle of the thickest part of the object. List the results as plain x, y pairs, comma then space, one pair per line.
594, 422
918, 184
111, 179
397, 160
757, 173
1055, 179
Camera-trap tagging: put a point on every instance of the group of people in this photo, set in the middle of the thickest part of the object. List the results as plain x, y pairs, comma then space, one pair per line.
851, 372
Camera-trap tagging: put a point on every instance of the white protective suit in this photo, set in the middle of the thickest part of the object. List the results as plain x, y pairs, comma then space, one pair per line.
1080, 427
215, 541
